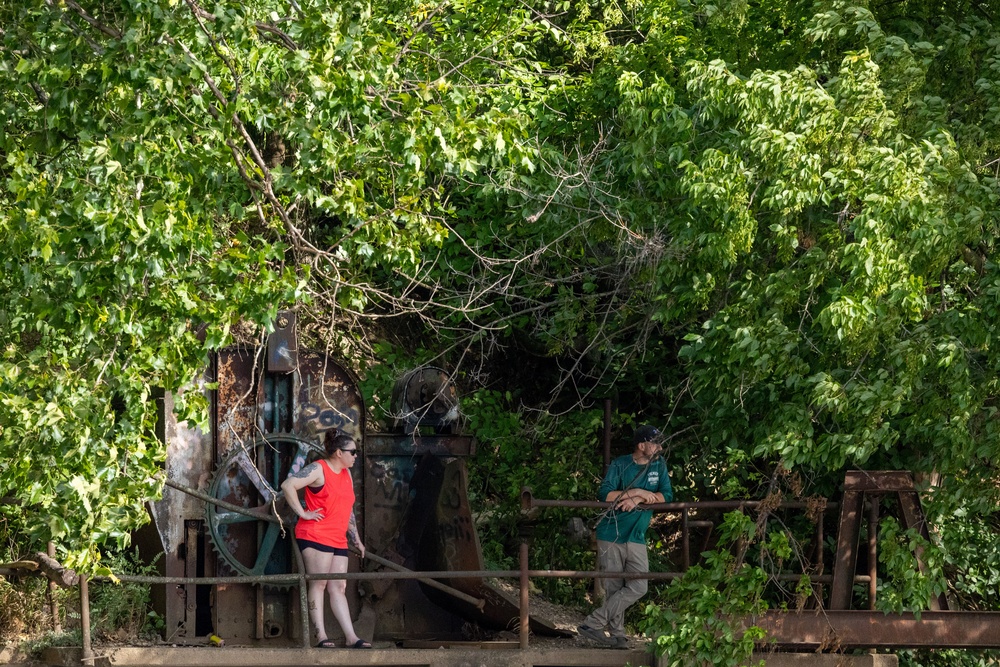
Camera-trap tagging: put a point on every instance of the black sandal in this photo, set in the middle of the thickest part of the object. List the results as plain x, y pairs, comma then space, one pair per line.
327, 643
361, 643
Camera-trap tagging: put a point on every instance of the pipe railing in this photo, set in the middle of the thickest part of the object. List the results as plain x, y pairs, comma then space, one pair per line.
524, 574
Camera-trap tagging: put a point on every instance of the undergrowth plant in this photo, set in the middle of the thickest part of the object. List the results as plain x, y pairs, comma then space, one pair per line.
121, 610
697, 621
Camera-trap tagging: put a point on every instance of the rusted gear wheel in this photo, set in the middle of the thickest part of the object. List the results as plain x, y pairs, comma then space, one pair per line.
250, 476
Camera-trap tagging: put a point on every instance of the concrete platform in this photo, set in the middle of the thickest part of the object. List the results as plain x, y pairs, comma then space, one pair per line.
239, 656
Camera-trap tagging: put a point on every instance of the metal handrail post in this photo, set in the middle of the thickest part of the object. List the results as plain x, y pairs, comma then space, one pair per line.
303, 597
685, 540
88, 650
525, 531
872, 550
524, 593
53, 602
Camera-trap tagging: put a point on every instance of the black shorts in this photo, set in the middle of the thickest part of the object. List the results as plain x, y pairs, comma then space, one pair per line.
325, 548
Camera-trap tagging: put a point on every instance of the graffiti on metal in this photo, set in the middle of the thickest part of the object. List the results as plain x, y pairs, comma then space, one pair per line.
327, 398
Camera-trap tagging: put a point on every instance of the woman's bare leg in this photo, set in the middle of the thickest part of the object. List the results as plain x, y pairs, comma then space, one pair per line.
337, 588
318, 562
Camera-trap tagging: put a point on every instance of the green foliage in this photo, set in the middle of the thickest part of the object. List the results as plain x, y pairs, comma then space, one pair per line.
121, 610
769, 227
905, 587
557, 457
697, 622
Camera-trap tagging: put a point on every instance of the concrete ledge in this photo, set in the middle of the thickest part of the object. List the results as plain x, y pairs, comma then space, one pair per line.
239, 656
242, 656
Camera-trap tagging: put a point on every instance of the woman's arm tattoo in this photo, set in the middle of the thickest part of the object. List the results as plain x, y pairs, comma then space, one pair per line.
304, 472
352, 531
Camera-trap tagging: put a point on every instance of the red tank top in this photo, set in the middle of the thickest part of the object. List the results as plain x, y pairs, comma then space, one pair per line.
335, 499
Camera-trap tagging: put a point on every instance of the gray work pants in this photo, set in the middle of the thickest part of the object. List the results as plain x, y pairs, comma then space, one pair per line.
619, 593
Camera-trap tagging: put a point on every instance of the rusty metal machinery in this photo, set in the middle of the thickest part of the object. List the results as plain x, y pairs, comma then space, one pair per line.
425, 396
251, 476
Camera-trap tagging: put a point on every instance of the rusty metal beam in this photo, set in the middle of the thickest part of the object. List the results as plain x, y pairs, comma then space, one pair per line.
478, 603
847, 549
674, 506
843, 630
878, 481
261, 513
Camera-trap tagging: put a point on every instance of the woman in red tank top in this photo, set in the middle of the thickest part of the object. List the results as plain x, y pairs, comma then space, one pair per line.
326, 526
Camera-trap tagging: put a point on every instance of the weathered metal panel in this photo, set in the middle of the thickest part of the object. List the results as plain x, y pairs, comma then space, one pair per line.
238, 415
239, 419
402, 609
189, 460
283, 345
326, 397
448, 541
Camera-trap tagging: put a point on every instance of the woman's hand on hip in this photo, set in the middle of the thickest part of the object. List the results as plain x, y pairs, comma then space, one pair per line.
314, 515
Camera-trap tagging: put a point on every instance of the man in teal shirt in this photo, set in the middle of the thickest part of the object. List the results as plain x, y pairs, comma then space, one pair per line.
639, 478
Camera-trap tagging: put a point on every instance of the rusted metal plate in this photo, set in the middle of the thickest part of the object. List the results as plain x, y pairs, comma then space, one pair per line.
326, 397
238, 417
283, 345
439, 526
844, 630
402, 608
189, 459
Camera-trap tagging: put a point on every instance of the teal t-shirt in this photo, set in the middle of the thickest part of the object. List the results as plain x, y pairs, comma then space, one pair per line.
624, 473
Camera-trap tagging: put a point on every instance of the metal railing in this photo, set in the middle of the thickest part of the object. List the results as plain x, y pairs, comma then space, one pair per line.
524, 574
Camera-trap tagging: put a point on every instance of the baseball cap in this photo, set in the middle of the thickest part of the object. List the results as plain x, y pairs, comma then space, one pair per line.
646, 433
